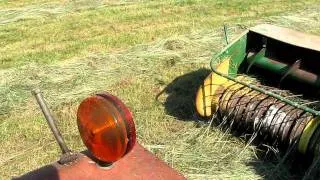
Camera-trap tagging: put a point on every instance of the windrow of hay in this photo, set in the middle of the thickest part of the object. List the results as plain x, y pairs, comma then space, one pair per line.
49, 9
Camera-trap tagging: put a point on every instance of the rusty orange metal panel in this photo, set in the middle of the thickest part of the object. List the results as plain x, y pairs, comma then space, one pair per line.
138, 164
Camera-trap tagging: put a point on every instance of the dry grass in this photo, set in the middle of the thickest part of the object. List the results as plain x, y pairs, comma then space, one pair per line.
168, 127
46, 32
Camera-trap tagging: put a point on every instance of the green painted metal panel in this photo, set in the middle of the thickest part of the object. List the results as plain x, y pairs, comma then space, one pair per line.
236, 51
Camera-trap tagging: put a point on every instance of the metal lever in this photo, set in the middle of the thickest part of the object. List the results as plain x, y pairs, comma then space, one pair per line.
67, 155
50, 120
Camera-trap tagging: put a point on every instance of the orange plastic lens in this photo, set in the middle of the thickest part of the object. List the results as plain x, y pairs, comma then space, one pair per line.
106, 127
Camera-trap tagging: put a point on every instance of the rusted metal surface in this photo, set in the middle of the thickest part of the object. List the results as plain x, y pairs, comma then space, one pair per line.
288, 36
138, 164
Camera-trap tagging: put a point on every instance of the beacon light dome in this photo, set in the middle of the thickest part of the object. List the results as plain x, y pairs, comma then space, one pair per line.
106, 127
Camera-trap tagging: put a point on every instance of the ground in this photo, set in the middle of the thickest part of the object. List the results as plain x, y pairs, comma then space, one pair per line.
135, 50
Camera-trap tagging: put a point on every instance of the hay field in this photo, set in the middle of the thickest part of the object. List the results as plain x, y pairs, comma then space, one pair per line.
133, 49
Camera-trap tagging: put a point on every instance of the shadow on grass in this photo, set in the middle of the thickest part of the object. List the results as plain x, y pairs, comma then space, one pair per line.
181, 94
273, 166
180, 103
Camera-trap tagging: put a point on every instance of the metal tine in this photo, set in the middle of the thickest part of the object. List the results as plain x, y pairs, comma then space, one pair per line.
291, 96
231, 123
308, 103
224, 121
249, 142
223, 125
270, 149
214, 116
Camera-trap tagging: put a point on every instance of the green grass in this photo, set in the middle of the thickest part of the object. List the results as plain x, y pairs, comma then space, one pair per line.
49, 32
72, 49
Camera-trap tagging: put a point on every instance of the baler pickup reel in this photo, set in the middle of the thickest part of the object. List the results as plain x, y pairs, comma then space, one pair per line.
265, 83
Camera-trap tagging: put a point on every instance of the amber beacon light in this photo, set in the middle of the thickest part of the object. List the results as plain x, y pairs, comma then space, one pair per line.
106, 127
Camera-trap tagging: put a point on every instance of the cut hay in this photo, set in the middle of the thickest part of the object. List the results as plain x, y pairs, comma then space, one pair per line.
169, 127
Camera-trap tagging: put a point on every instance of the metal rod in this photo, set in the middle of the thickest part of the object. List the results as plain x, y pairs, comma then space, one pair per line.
294, 104
225, 33
50, 120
